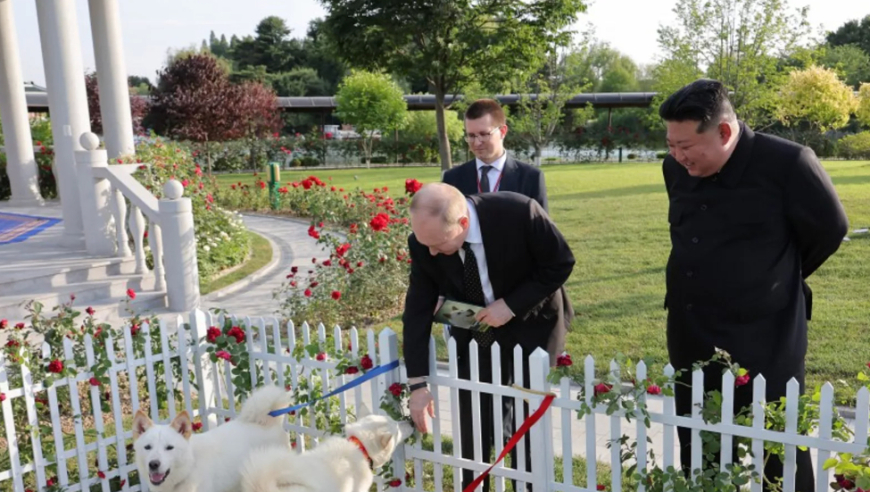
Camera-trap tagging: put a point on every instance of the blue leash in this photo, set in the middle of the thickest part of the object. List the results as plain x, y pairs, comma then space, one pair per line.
377, 371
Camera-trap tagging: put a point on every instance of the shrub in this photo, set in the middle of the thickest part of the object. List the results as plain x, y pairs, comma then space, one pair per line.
632, 157
221, 241
661, 155
855, 146
47, 183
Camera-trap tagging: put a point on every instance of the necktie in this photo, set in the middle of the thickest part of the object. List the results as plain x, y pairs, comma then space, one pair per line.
474, 293
484, 179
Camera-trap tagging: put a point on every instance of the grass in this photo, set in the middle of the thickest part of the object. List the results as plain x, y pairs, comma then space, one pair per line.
614, 216
261, 255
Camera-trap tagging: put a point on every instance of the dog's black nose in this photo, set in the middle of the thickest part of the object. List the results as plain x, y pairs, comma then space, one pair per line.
153, 465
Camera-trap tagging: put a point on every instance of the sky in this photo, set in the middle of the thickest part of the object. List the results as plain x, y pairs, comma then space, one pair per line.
151, 28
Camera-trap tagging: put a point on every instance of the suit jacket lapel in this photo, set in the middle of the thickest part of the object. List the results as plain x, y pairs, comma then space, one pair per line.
509, 179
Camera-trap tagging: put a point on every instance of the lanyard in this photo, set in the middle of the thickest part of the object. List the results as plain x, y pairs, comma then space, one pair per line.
497, 183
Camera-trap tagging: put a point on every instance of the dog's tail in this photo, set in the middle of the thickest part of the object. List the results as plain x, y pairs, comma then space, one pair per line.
265, 468
256, 408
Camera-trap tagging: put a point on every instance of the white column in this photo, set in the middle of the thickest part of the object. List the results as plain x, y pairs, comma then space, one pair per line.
112, 77
67, 103
20, 161
95, 197
179, 248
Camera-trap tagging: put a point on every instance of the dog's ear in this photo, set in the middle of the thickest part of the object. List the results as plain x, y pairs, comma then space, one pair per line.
141, 423
363, 411
182, 424
385, 438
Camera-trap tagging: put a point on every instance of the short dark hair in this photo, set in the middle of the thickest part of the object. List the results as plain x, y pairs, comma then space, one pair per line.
483, 107
705, 101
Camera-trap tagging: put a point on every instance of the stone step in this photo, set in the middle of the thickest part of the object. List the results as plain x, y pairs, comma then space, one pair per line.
107, 291
27, 278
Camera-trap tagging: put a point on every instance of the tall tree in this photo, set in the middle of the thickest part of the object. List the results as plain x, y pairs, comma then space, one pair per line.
850, 61
853, 32
449, 43
736, 41
863, 111
370, 102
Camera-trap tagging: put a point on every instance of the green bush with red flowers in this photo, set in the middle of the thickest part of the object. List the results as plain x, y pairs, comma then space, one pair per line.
366, 233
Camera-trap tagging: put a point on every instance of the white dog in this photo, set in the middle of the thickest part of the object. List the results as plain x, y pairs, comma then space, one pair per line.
174, 461
336, 464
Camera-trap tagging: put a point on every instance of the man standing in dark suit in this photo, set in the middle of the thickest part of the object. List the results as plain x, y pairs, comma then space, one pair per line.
493, 169
498, 250
752, 216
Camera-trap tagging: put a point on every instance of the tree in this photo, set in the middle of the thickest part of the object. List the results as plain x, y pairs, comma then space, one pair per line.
863, 111
194, 100
449, 43
817, 97
270, 48
138, 106
850, 61
852, 32
370, 102
535, 118
736, 41
260, 108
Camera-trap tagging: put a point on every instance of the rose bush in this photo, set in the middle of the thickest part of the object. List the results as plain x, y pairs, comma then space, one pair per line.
221, 239
364, 279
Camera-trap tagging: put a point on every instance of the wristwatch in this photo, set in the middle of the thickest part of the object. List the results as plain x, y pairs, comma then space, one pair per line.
414, 387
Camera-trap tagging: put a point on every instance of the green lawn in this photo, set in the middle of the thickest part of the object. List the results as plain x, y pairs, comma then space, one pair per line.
614, 217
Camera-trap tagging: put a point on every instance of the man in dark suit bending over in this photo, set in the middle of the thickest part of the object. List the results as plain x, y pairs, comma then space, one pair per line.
498, 250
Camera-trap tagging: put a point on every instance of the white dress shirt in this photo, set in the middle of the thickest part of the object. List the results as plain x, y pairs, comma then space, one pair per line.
475, 239
494, 173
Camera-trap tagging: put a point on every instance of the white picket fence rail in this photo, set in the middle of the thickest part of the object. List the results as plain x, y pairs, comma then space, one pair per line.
206, 389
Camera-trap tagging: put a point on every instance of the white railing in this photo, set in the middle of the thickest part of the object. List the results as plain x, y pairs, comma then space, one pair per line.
111, 225
174, 372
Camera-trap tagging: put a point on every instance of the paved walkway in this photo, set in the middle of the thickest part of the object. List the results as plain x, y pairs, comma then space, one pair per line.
293, 247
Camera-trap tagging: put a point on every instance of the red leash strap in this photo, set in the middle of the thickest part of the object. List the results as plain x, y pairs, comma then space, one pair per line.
523, 430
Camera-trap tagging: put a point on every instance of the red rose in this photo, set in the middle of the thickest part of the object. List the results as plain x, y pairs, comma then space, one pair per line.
313, 233
307, 292
4, 323
354, 228
56, 366
742, 380
306, 183
359, 264
341, 250
321, 356
654, 389
131, 294
602, 388
336, 295
396, 482
134, 329
327, 263
94, 382
314, 284
380, 222
90, 311
412, 186
101, 475
396, 389
238, 333
600, 487
197, 426
2, 397
366, 362
351, 370
19, 326
294, 269
185, 182
223, 354
564, 360
212, 334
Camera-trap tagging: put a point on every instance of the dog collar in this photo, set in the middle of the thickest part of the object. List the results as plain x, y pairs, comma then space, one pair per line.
362, 448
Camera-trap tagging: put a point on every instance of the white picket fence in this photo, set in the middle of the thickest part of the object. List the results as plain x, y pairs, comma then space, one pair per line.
206, 390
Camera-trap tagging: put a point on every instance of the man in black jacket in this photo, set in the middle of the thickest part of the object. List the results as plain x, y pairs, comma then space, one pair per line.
751, 217
520, 262
493, 169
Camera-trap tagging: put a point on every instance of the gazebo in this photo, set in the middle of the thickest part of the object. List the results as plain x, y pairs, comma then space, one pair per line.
67, 100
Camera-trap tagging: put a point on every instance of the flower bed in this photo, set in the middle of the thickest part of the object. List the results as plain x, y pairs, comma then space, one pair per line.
364, 279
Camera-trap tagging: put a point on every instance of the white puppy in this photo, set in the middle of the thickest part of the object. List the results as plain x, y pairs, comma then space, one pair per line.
337, 464
171, 460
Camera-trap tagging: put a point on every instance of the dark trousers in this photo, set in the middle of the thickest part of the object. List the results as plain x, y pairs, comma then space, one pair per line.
485, 429
759, 346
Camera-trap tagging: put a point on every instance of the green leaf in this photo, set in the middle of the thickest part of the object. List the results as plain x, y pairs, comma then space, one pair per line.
830, 462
